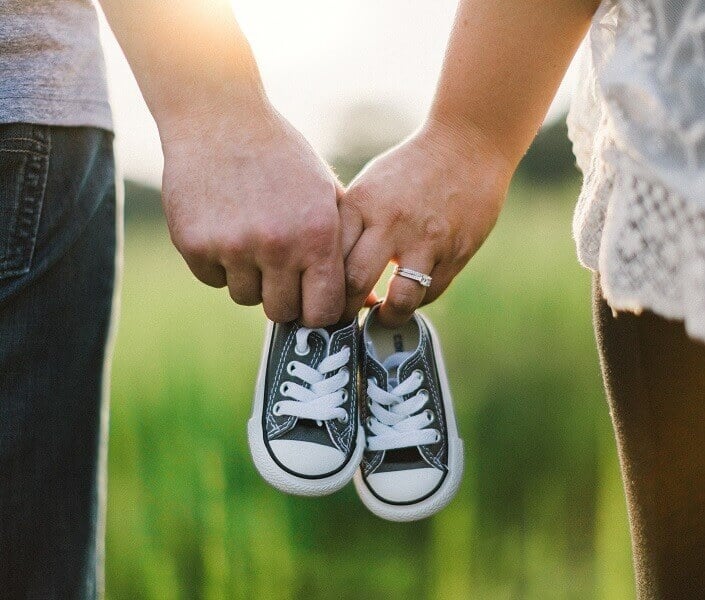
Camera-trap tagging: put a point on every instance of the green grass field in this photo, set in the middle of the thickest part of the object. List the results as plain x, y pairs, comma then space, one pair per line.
540, 513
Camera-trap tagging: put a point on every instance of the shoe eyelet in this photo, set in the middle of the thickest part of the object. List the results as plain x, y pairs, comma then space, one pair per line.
290, 368
438, 437
344, 395
284, 389
429, 415
344, 419
276, 410
368, 422
424, 393
419, 374
302, 352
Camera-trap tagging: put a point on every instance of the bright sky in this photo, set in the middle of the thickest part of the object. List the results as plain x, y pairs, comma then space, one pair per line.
316, 58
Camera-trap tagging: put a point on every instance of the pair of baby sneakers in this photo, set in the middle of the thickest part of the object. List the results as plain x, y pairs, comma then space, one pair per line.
310, 433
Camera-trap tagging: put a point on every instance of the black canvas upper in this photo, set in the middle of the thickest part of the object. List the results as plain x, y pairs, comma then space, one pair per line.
436, 454
335, 433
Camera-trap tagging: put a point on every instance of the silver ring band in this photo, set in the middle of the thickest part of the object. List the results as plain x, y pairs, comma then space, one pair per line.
421, 278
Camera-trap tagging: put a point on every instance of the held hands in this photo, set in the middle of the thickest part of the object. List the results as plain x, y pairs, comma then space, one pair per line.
251, 206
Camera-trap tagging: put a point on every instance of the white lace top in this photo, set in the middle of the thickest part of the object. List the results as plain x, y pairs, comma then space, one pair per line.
637, 122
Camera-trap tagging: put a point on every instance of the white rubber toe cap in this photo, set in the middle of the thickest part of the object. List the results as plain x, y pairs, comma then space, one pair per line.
307, 458
404, 486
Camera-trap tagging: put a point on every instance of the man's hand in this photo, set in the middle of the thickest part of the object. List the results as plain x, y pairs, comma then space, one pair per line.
250, 205
427, 205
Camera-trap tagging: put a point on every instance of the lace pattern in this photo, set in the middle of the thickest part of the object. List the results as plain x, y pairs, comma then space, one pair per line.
637, 123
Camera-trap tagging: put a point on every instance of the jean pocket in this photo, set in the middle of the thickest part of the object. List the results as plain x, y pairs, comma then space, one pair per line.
24, 164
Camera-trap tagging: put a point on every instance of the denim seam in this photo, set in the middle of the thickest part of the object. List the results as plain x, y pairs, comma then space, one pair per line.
30, 199
5, 256
12, 150
20, 139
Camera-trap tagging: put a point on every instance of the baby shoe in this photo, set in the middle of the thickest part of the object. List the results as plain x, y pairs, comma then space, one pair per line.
413, 460
305, 434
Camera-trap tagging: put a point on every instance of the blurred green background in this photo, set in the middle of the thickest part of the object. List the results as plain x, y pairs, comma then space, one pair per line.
540, 513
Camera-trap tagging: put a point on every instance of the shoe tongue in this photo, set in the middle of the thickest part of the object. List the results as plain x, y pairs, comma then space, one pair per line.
392, 364
324, 334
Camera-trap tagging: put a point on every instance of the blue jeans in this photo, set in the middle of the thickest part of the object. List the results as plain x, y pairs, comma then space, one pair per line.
58, 240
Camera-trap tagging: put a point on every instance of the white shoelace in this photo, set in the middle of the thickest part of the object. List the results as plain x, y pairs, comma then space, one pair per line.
322, 399
395, 422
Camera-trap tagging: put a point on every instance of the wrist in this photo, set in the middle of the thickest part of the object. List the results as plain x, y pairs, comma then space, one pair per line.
241, 102
470, 143
194, 95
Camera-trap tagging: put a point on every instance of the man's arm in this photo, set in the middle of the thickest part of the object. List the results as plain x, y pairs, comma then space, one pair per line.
429, 203
248, 202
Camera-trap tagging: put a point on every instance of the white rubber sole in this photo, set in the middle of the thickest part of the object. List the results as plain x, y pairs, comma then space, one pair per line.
445, 493
270, 471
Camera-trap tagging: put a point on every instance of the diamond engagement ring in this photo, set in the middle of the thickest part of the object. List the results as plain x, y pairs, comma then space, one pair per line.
423, 279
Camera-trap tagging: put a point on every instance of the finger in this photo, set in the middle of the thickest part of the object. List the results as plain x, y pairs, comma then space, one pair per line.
363, 268
441, 277
211, 274
323, 292
245, 285
339, 189
351, 224
404, 295
281, 294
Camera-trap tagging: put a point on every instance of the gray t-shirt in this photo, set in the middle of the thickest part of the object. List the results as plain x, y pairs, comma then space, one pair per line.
52, 70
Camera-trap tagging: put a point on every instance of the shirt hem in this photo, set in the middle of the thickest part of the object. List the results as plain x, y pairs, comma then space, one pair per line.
58, 112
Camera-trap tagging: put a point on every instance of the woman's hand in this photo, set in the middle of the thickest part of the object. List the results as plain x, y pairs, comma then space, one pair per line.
427, 205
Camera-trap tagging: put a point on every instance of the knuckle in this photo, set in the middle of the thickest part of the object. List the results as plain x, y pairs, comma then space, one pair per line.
234, 245
274, 242
321, 228
435, 229
191, 242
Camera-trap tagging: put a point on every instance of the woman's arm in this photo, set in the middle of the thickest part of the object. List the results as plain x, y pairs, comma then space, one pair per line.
503, 66
429, 203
